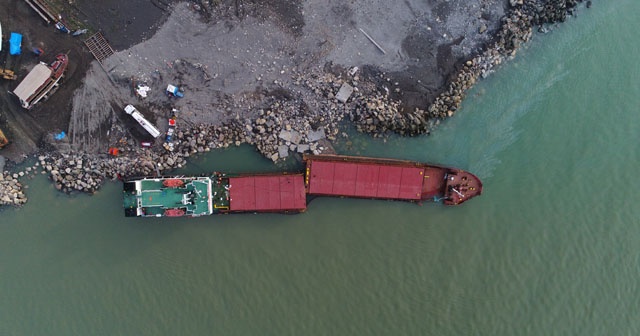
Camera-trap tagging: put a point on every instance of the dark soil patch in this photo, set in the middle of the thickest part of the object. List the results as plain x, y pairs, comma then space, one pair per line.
124, 23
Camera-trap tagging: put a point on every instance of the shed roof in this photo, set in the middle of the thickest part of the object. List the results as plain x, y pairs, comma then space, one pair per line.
267, 193
370, 180
34, 80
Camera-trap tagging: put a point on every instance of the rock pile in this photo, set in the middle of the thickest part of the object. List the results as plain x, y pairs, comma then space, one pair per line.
11, 189
73, 172
11, 192
287, 127
295, 120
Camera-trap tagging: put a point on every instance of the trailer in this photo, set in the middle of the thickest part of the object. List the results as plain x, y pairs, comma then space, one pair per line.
132, 111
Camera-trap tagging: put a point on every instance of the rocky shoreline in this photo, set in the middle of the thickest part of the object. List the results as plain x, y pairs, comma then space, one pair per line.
281, 128
11, 190
517, 29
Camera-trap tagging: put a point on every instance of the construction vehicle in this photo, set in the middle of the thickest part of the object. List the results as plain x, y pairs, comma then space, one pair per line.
174, 91
3, 139
5, 73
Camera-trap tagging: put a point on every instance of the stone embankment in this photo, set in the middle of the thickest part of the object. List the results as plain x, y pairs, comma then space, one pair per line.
377, 115
270, 133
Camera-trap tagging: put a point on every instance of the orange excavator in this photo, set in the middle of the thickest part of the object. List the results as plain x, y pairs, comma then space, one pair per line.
6, 73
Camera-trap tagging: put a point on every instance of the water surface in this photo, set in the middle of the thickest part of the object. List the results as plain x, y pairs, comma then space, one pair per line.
550, 248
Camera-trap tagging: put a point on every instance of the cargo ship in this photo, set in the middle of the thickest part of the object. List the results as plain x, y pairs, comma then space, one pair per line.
41, 81
325, 175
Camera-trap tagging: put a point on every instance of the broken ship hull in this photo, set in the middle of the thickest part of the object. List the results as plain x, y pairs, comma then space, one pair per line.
325, 175
375, 178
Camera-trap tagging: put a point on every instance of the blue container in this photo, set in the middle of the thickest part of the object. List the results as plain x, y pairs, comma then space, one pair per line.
15, 42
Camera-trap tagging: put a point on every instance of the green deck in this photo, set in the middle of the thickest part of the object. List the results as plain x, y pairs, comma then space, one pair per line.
152, 198
220, 194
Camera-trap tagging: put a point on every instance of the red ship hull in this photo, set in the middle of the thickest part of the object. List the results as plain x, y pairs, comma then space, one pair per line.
362, 177
59, 66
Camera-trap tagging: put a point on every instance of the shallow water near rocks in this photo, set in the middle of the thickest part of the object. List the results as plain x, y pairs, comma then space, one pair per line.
550, 248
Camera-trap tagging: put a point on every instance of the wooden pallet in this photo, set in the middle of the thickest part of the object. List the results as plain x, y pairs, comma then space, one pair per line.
7, 74
99, 47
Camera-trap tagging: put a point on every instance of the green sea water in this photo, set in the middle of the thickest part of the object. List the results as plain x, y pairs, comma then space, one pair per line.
552, 247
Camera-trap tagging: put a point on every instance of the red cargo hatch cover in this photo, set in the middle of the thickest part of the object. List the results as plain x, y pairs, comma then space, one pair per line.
267, 193
369, 180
